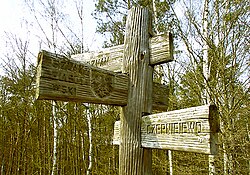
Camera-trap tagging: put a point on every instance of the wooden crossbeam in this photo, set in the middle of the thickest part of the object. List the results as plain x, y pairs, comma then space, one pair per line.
192, 129
161, 51
60, 78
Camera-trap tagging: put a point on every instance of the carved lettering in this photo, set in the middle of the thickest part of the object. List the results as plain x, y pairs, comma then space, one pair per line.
184, 127
158, 129
55, 63
198, 127
64, 89
70, 71
67, 65
150, 129
191, 127
163, 128
55, 87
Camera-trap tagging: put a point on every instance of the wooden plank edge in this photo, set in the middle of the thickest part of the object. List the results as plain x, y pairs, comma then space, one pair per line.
101, 58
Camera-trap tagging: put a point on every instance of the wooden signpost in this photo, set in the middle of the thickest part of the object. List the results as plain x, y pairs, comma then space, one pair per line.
192, 129
60, 78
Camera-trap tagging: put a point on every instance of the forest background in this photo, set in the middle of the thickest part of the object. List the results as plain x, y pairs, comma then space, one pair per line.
45, 137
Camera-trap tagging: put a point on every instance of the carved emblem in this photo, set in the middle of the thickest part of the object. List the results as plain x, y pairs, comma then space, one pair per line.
101, 83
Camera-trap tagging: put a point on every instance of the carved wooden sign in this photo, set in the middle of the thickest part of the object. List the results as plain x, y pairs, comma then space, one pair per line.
59, 78
160, 46
192, 129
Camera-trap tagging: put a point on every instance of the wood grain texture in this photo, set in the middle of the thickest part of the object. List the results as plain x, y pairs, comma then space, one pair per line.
59, 78
136, 64
193, 130
161, 51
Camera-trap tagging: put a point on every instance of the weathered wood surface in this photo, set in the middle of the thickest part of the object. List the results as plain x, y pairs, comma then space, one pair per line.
59, 78
133, 160
193, 129
161, 51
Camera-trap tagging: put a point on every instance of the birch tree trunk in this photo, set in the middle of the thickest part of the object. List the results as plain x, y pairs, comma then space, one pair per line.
219, 33
89, 170
206, 74
170, 162
54, 118
248, 134
155, 16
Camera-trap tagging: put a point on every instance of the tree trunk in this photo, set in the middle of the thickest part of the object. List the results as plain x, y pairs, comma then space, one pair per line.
54, 113
248, 134
224, 159
133, 159
155, 17
89, 170
206, 74
170, 162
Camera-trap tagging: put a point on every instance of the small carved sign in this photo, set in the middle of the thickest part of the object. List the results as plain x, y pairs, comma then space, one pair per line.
192, 129
59, 78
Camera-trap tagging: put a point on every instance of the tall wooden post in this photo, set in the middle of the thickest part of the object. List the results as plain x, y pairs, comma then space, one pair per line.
133, 159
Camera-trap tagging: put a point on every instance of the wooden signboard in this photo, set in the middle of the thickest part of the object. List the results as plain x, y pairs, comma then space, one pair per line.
60, 78
160, 46
193, 129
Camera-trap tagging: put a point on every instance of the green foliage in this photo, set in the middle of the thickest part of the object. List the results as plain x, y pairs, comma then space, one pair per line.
190, 90
111, 18
27, 134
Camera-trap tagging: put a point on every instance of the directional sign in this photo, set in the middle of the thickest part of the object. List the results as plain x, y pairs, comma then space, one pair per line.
193, 129
59, 78
161, 51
